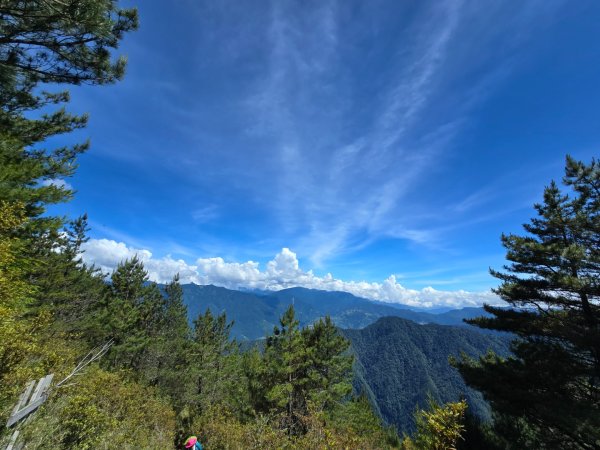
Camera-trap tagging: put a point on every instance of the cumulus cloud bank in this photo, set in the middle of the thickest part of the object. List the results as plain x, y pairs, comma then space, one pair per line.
280, 273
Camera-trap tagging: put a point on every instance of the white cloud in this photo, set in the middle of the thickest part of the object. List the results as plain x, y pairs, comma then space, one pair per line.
282, 272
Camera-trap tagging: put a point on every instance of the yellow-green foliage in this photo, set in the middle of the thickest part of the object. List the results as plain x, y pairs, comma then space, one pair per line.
324, 433
103, 410
219, 430
440, 428
25, 352
17, 336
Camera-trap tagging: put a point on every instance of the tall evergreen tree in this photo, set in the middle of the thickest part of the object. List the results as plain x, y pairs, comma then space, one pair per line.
329, 364
71, 289
307, 371
547, 395
213, 361
254, 372
173, 345
287, 363
63, 41
44, 42
132, 316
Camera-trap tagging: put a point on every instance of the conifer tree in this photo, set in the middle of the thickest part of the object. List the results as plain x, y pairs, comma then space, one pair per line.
44, 42
329, 365
547, 394
71, 289
212, 360
173, 345
132, 317
254, 371
308, 371
287, 363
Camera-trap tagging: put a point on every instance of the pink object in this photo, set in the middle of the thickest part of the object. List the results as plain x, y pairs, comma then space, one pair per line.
191, 442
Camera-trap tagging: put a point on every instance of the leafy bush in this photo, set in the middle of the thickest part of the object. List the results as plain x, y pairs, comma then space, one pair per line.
103, 410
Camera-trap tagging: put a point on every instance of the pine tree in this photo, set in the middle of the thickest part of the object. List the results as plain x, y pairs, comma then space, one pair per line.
132, 316
213, 362
64, 42
308, 371
286, 358
254, 372
71, 289
547, 394
44, 42
173, 346
329, 364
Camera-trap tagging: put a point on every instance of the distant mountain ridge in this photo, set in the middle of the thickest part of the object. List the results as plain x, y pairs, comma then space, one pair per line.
255, 313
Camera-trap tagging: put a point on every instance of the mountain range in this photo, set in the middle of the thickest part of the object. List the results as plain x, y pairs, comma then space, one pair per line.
256, 313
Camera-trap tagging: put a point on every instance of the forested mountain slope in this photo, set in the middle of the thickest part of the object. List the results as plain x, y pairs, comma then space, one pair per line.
255, 314
399, 362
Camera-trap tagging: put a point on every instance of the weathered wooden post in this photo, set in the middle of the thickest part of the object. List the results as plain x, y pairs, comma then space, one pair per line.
28, 402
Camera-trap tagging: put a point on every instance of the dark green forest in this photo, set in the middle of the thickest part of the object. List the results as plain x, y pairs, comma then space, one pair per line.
401, 364
160, 378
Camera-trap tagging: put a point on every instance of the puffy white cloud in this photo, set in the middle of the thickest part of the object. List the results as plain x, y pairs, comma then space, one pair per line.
280, 273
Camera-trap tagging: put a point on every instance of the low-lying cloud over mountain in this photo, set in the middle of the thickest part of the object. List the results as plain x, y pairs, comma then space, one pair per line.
283, 271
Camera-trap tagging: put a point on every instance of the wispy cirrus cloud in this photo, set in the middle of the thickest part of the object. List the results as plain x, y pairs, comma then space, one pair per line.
333, 184
325, 126
340, 185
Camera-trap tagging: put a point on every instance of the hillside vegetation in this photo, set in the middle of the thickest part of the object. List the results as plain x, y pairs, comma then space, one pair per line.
402, 364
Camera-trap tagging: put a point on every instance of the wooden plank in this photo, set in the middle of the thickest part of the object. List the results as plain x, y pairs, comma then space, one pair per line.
38, 390
26, 404
13, 440
42, 387
23, 397
26, 393
26, 411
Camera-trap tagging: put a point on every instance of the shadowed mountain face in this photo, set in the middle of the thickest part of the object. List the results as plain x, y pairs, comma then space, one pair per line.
255, 314
399, 363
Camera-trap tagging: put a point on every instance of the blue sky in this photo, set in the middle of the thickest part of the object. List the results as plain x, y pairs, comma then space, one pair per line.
380, 142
